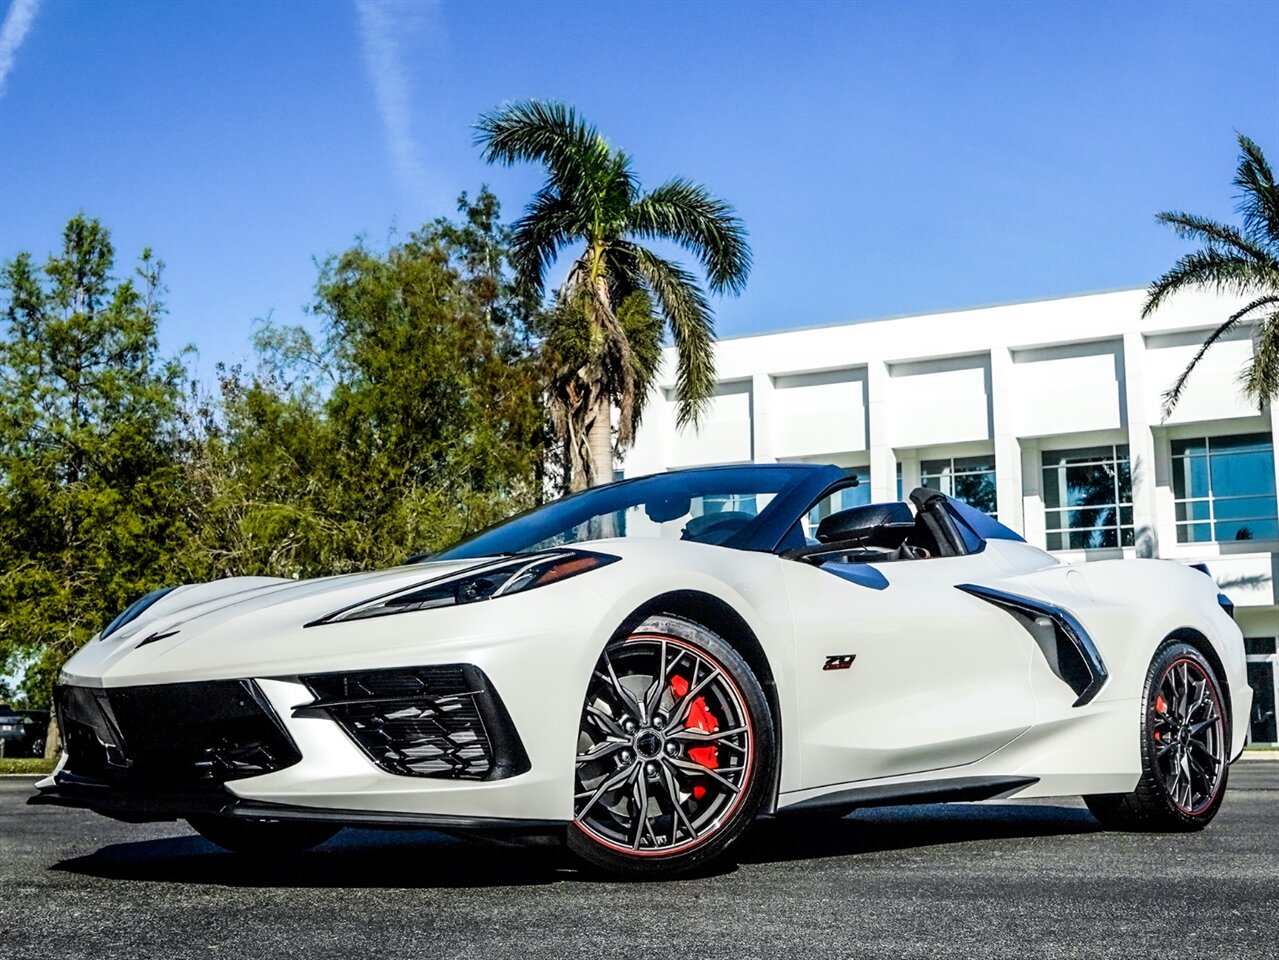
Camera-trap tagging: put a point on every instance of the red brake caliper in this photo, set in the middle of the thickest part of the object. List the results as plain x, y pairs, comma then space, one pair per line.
1160, 707
699, 718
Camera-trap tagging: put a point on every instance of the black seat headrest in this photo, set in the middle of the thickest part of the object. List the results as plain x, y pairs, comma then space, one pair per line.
847, 524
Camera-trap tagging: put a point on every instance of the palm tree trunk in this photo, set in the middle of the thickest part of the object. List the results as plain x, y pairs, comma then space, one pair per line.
600, 441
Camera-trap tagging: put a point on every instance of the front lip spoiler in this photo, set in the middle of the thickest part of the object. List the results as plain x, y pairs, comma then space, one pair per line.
161, 803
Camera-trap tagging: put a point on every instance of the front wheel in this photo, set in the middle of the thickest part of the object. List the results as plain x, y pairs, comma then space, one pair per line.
262, 838
1184, 749
675, 752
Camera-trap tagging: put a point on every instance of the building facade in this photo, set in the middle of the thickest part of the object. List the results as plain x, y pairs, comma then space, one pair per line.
1045, 414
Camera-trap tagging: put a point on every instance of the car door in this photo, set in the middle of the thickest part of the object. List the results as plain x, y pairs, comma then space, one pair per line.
899, 672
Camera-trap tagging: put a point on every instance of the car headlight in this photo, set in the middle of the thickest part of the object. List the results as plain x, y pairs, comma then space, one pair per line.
134, 610
488, 581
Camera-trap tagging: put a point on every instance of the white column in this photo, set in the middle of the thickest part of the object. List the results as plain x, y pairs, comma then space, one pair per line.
1035, 527
762, 418
1008, 485
1141, 448
883, 460
909, 460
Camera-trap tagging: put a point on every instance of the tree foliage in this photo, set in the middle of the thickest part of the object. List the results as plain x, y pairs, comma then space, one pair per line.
92, 499
604, 343
1243, 261
407, 415
412, 419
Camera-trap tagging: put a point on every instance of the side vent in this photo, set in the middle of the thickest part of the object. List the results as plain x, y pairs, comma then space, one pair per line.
1065, 644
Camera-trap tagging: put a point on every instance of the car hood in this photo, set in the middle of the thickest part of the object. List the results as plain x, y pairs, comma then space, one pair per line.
239, 611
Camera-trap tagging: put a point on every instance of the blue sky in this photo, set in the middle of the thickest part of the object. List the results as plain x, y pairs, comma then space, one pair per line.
887, 158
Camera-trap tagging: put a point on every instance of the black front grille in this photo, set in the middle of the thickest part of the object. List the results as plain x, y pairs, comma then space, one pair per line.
180, 732
440, 721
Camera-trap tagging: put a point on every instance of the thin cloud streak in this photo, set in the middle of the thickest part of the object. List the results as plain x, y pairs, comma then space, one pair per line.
17, 23
384, 24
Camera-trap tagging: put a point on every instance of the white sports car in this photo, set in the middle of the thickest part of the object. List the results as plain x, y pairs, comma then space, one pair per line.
645, 668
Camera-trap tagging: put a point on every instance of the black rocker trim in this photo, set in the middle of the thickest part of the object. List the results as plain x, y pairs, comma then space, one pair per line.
952, 790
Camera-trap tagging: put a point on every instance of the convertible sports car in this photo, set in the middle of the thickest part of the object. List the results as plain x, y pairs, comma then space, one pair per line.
643, 669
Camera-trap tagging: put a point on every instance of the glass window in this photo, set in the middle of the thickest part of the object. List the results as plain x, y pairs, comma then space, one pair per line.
970, 479
1261, 677
1225, 488
1258, 646
1088, 498
709, 506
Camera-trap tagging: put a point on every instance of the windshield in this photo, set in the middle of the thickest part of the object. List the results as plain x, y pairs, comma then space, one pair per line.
707, 506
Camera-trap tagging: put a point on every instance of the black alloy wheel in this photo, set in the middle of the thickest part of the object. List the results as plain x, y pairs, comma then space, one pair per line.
675, 751
1185, 749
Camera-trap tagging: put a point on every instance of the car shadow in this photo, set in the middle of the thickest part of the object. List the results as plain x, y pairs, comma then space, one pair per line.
882, 829
424, 859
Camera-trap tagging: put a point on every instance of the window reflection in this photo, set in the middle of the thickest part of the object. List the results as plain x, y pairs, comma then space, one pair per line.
1088, 498
970, 479
1225, 488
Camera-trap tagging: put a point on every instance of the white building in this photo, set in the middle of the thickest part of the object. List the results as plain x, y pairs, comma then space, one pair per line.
1046, 413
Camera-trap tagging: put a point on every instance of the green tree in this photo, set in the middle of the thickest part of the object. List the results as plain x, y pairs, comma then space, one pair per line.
1237, 260
91, 490
410, 420
604, 335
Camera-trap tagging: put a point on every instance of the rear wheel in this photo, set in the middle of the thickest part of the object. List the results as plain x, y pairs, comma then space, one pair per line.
261, 837
1184, 749
675, 751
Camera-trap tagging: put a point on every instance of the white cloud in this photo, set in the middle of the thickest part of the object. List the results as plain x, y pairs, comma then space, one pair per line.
17, 23
385, 25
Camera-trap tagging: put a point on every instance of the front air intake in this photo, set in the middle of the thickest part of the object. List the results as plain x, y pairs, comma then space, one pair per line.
440, 721
206, 732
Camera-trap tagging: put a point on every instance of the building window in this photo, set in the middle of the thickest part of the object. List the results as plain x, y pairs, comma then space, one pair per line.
1262, 665
1088, 498
1225, 488
970, 479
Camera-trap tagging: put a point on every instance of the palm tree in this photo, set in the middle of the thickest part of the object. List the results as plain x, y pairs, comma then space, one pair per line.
1242, 261
619, 297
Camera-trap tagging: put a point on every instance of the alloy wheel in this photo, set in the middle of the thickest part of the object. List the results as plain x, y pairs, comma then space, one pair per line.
1189, 736
665, 748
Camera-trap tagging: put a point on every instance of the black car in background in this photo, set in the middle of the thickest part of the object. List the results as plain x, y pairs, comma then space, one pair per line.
23, 732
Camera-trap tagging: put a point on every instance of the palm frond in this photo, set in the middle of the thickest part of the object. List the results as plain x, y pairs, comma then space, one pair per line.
1260, 376
1225, 273
539, 131
1173, 394
1215, 234
1259, 196
547, 225
703, 224
692, 325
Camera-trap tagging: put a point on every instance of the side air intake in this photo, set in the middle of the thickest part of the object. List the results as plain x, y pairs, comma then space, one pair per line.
1062, 639
439, 721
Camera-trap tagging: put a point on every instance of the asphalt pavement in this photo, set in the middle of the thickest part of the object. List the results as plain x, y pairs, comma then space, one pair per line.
1034, 879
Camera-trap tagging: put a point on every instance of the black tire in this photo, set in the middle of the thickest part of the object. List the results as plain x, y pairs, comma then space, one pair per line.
700, 751
261, 838
1184, 750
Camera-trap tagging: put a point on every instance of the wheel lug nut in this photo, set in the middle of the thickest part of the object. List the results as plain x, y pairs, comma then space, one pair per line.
626, 756
650, 768
672, 750
630, 726
659, 721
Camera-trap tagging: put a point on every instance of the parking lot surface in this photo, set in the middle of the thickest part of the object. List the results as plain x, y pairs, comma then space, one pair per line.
1034, 879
